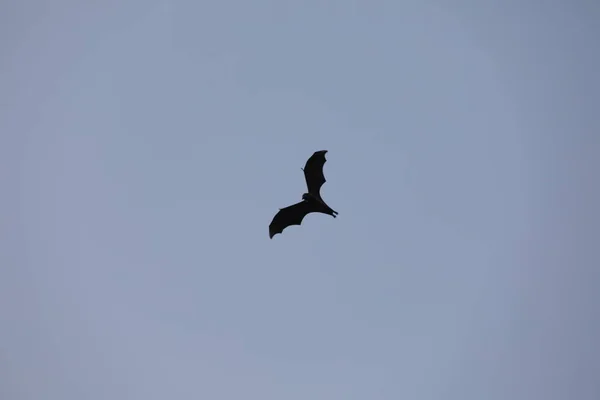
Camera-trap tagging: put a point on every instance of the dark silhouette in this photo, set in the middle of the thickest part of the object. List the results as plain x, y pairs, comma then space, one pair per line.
311, 201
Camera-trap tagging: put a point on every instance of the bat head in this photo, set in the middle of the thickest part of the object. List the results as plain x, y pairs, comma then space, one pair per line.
307, 197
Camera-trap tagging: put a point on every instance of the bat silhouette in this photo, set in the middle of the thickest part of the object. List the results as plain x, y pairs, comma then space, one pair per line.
311, 201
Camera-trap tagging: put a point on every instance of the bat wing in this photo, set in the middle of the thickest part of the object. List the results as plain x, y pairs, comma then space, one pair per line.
313, 172
292, 215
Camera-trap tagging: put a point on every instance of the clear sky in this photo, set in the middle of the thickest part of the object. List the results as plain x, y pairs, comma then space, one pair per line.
145, 146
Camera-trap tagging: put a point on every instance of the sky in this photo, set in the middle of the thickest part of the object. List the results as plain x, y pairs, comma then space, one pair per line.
145, 147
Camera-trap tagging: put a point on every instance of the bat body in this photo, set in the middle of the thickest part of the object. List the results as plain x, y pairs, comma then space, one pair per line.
311, 201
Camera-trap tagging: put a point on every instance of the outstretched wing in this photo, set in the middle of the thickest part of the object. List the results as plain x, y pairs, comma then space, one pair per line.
291, 215
313, 172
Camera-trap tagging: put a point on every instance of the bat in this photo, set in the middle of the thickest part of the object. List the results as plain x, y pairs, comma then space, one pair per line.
311, 201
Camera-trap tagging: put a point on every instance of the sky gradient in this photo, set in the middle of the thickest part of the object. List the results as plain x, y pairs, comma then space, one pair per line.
146, 145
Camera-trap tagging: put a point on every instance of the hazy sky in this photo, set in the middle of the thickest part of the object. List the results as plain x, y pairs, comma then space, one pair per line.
146, 145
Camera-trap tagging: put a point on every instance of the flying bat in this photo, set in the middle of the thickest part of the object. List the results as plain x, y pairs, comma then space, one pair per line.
311, 201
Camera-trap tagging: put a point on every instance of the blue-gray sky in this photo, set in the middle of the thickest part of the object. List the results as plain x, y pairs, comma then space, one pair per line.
146, 145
